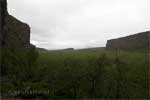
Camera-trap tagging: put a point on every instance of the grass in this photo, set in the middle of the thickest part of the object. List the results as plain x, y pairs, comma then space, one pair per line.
96, 74
83, 75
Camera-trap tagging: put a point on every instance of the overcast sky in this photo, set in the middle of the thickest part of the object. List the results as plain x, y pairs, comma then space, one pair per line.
57, 24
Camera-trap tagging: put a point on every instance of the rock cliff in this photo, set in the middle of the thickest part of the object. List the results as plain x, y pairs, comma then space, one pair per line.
15, 44
13, 33
17, 55
139, 41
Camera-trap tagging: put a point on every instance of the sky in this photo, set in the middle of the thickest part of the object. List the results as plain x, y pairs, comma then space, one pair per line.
59, 24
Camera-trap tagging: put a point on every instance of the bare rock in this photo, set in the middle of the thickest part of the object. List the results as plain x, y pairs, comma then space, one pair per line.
139, 41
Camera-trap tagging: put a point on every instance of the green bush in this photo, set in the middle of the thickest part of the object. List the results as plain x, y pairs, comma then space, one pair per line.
80, 75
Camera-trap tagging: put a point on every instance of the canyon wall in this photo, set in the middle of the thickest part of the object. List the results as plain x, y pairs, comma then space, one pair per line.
15, 46
13, 33
139, 41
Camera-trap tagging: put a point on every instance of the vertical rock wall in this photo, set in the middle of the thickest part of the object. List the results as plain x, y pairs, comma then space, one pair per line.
13, 33
139, 41
15, 44
17, 34
17, 55
3, 13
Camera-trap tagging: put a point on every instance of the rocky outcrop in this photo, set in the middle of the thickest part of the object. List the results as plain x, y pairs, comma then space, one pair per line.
139, 41
17, 55
13, 33
15, 44
3, 13
17, 34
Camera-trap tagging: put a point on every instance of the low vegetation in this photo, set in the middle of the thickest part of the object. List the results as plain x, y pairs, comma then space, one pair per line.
83, 75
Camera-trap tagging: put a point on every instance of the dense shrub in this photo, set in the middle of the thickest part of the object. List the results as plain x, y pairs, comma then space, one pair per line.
80, 75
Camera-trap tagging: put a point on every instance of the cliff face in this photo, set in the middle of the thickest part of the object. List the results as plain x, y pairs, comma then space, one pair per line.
17, 34
3, 13
140, 41
13, 33
15, 44
17, 55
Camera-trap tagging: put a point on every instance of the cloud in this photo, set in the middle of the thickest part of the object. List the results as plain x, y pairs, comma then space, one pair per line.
80, 23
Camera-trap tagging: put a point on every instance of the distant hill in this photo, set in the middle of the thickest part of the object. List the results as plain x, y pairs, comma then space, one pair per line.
139, 41
83, 49
67, 49
92, 49
41, 49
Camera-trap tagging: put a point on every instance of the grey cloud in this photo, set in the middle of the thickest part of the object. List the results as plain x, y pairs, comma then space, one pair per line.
80, 23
